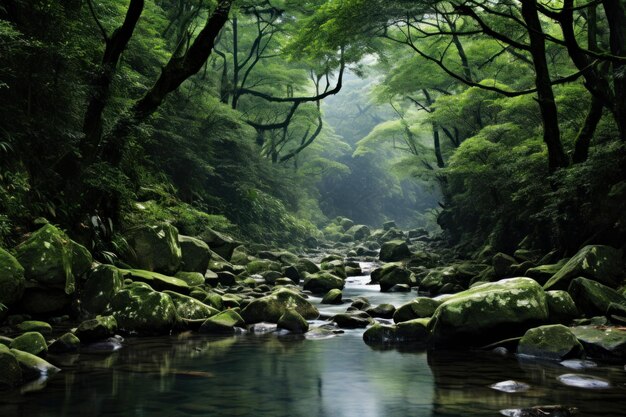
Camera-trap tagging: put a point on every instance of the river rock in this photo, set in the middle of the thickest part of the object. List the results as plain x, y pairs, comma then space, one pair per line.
384, 311
421, 307
31, 342
263, 265
596, 262
11, 280
189, 308
195, 254
543, 273
395, 275
322, 282
156, 280
561, 307
10, 371
51, 258
412, 331
103, 282
33, 367
154, 248
292, 273
271, 307
66, 343
220, 243
602, 342
193, 279
389, 225
34, 326
593, 298
489, 312
583, 381
394, 250
335, 267
554, 342
291, 320
333, 297
352, 320
94, 330
224, 323
359, 232
391, 234
138, 308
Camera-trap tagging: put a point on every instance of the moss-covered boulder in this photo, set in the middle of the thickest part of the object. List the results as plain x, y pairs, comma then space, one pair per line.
383, 311
140, 309
554, 342
156, 280
543, 273
32, 366
224, 323
189, 308
412, 331
421, 307
306, 266
353, 320
11, 280
195, 254
66, 343
31, 342
103, 282
154, 248
94, 330
336, 267
322, 282
51, 258
263, 265
602, 342
561, 307
333, 296
593, 298
34, 326
271, 307
10, 370
596, 262
359, 232
292, 321
395, 275
394, 250
380, 334
220, 243
489, 312
193, 279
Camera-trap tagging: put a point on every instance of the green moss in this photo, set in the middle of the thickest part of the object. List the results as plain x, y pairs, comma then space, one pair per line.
31, 342
270, 308
554, 342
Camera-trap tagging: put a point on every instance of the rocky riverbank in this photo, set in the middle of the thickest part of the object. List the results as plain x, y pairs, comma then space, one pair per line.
526, 303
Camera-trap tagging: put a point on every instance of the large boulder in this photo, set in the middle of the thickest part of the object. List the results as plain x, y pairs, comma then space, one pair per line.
195, 254
543, 273
596, 262
224, 323
94, 330
333, 296
394, 250
10, 371
322, 282
33, 367
593, 298
292, 321
103, 282
602, 342
271, 307
220, 243
561, 307
157, 281
421, 307
51, 258
31, 342
396, 275
489, 312
554, 342
11, 280
139, 309
359, 232
154, 248
412, 331
189, 308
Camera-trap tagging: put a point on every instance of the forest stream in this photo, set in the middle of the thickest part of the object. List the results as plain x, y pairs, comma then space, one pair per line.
268, 372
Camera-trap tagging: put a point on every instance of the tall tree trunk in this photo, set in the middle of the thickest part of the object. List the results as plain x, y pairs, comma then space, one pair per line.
615, 11
583, 139
547, 105
235, 63
438, 154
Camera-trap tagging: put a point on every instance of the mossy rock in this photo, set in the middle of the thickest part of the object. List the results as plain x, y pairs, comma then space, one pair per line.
195, 254
140, 309
51, 258
554, 342
271, 307
489, 312
193, 279
346, 223
66, 343
394, 250
421, 307
154, 248
306, 265
413, 331
335, 267
103, 282
34, 326
596, 262
377, 274
292, 321
220, 243
395, 276
31, 342
593, 298
380, 334
384, 311
157, 281
33, 367
561, 307
322, 282
543, 273
352, 320
333, 297
94, 330
608, 343
190, 308
262, 265
10, 370
359, 232
223, 323
11, 280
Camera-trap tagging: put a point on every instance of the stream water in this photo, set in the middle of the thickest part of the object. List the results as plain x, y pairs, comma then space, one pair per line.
271, 375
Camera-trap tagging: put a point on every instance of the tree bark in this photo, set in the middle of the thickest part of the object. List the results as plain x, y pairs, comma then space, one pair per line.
547, 105
615, 11
583, 139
